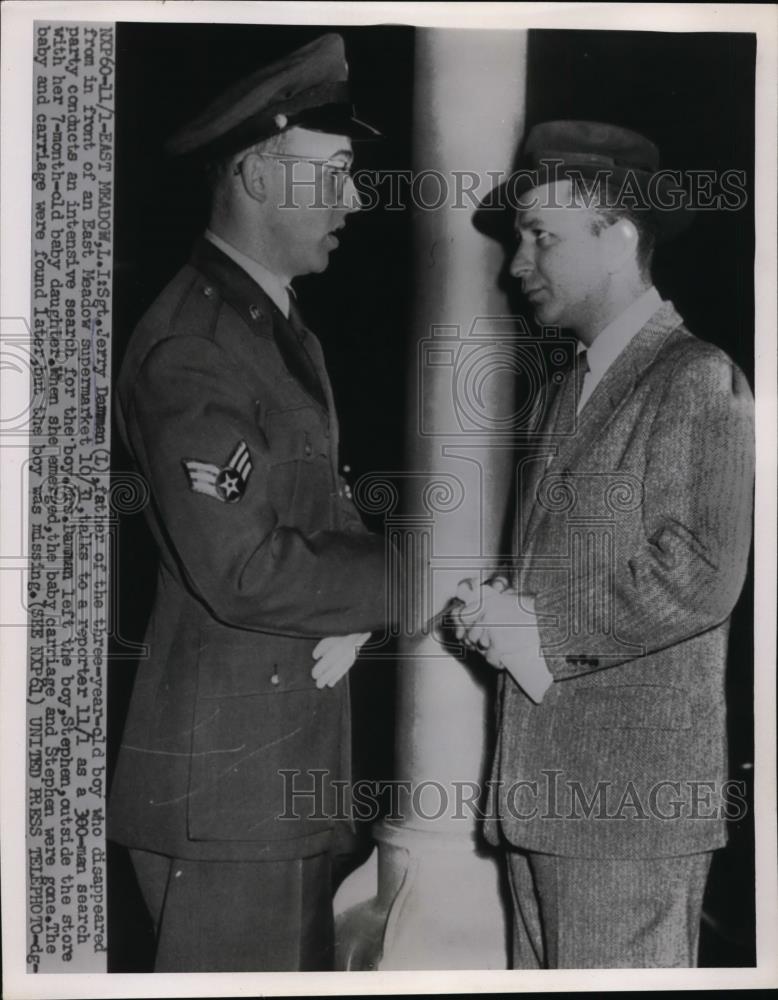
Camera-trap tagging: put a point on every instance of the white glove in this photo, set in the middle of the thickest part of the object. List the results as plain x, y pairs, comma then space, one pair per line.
335, 656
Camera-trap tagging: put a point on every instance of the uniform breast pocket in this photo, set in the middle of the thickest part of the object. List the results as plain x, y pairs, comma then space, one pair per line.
300, 476
261, 730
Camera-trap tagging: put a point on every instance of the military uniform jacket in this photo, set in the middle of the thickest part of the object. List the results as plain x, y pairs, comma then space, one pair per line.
634, 542
262, 554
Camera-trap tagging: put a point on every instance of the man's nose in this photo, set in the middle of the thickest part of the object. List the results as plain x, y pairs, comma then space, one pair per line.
521, 265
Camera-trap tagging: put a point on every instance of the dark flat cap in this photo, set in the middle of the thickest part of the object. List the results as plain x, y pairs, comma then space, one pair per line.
588, 151
590, 145
307, 88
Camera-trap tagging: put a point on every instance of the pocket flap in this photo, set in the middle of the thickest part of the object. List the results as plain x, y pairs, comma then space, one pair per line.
235, 663
295, 435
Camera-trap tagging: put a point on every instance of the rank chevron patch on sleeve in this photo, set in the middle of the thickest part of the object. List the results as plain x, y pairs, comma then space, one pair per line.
226, 483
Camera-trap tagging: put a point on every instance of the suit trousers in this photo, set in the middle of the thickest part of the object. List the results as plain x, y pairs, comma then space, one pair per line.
238, 916
584, 913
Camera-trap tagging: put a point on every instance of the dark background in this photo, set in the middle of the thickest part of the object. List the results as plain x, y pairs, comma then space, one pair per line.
691, 94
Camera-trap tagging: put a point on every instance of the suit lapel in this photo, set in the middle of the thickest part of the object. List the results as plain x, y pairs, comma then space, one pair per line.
296, 344
602, 406
533, 466
309, 343
298, 347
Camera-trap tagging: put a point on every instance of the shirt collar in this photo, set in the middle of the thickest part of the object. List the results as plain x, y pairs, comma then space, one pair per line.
270, 283
612, 340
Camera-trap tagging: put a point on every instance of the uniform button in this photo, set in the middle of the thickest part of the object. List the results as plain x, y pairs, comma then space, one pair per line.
346, 469
308, 450
254, 312
275, 679
207, 291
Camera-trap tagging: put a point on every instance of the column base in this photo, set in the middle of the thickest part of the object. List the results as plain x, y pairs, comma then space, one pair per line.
437, 905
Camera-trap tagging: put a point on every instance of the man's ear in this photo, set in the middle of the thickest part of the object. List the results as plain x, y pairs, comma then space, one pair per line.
621, 242
252, 172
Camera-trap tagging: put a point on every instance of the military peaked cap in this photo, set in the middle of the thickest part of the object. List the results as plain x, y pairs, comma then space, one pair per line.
306, 89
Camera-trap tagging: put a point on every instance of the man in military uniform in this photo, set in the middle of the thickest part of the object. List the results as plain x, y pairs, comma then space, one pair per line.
268, 581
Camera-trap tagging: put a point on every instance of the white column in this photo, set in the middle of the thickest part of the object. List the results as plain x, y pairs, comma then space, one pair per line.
430, 899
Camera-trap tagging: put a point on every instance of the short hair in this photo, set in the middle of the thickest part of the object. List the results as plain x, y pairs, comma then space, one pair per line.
220, 170
607, 211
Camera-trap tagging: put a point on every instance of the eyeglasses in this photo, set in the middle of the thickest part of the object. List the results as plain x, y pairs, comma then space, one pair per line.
339, 172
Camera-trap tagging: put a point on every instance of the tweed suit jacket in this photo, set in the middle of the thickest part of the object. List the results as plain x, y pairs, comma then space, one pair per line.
633, 541
246, 586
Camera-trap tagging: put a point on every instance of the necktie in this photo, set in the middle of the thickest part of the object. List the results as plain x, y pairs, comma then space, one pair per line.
562, 415
290, 335
582, 367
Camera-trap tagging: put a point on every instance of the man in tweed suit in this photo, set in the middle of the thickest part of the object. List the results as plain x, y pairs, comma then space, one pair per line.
268, 580
632, 535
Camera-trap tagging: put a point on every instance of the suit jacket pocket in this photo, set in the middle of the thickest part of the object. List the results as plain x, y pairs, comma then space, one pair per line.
625, 707
295, 435
263, 735
299, 476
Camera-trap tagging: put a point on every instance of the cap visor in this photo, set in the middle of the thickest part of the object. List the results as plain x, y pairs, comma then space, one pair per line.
361, 130
336, 119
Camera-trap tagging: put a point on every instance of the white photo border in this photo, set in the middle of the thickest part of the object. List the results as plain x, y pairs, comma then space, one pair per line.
15, 188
